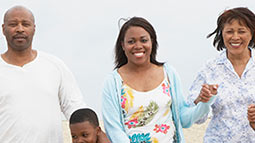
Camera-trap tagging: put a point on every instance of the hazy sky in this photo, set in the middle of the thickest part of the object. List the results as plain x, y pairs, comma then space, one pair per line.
83, 33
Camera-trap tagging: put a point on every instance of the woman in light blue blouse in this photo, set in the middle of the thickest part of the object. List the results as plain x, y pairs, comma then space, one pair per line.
142, 98
233, 71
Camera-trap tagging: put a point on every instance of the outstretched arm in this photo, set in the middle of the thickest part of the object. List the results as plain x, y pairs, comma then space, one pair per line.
189, 113
201, 92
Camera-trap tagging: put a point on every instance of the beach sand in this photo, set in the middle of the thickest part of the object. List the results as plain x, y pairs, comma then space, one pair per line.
193, 134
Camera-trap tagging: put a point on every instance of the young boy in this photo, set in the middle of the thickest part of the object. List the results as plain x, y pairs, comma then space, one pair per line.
85, 127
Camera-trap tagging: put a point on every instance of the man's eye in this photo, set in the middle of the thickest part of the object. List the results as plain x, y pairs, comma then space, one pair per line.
12, 24
26, 24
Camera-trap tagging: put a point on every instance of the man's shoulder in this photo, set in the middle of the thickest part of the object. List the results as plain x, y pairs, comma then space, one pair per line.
49, 57
43, 54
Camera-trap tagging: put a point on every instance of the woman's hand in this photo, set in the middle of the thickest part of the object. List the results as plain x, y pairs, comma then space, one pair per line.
251, 115
206, 93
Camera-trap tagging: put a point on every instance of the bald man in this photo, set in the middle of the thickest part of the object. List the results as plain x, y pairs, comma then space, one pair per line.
35, 87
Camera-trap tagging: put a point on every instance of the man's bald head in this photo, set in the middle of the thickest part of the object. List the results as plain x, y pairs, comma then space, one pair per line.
19, 28
18, 8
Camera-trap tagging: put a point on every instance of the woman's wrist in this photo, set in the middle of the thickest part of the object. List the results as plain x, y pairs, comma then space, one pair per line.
197, 100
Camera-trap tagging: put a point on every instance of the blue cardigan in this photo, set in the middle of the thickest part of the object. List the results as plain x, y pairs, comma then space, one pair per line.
183, 115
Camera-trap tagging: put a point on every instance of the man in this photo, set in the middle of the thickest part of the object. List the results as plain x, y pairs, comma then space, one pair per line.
34, 86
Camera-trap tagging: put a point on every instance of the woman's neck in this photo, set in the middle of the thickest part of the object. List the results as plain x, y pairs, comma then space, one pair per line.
139, 68
241, 59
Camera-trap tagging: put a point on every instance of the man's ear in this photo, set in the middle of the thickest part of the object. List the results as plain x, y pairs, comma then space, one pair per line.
3, 29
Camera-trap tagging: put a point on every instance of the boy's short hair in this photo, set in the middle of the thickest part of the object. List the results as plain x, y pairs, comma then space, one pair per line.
84, 114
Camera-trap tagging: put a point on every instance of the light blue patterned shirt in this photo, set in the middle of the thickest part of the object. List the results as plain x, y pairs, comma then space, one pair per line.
229, 123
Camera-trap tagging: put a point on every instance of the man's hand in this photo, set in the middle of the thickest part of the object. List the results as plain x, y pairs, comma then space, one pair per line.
206, 93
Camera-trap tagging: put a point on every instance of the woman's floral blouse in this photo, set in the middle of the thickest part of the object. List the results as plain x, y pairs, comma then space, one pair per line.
229, 123
147, 115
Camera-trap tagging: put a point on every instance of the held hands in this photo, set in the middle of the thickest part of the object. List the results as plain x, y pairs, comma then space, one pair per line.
251, 115
206, 93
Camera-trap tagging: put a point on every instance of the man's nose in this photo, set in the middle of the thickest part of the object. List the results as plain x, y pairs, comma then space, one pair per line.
20, 28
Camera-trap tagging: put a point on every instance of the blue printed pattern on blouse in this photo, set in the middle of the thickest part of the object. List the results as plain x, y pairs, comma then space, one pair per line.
229, 123
140, 138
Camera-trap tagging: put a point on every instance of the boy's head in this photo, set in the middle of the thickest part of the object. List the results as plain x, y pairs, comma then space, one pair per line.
84, 126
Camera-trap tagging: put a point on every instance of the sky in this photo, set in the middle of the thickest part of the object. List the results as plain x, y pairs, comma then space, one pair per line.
83, 33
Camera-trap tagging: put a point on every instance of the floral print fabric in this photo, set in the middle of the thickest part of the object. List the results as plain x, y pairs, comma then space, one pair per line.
229, 123
147, 115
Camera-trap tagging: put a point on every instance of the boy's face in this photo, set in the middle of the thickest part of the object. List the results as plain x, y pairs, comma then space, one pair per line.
84, 132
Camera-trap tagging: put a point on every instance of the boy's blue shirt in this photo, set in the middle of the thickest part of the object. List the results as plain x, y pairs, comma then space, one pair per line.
183, 114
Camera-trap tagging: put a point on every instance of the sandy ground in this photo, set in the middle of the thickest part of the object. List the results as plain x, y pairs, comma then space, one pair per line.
192, 135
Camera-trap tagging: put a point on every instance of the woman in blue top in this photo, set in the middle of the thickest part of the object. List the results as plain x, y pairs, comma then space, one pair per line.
234, 71
142, 98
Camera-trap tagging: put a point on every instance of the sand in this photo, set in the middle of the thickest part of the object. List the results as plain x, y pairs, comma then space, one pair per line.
195, 133
192, 135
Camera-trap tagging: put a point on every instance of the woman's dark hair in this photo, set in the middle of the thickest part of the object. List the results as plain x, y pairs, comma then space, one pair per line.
243, 15
82, 115
120, 57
